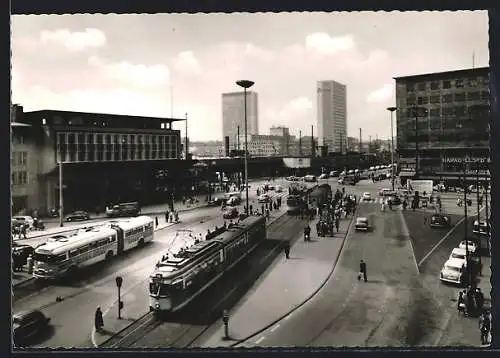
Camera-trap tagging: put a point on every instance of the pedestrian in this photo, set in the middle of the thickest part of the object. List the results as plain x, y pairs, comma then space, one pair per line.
461, 303
307, 233
167, 214
30, 264
262, 209
267, 214
98, 320
337, 224
251, 209
484, 326
362, 271
479, 299
156, 221
287, 249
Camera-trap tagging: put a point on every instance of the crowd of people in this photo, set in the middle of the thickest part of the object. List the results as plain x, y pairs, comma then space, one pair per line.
341, 206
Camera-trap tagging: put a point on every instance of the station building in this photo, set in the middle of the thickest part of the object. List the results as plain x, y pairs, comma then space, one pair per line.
105, 158
452, 110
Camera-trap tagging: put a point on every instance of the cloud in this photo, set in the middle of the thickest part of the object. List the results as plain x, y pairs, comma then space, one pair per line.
298, 105
381, 94
74, 41
135, 74
258, 52
186, 62
324, 44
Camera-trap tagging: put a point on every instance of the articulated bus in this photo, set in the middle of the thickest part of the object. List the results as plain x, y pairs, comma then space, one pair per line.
179, 279
61, 255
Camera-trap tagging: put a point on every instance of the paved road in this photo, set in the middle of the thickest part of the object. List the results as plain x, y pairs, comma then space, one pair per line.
72, 318
347, 312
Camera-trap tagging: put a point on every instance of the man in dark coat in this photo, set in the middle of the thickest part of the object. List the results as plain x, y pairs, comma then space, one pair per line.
98, 320
287, 249
362, 271
337, 223
307, 233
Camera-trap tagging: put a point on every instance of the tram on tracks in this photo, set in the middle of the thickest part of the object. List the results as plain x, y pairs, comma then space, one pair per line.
179, 279
62, 255
320, 196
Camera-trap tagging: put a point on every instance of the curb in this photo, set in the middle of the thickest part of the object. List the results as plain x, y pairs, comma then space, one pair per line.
311, 296
148, 313
105, 218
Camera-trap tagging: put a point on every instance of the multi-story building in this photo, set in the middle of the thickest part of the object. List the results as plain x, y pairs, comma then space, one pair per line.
443, 118
210, 149
263, 145
233, 115
332, 115
104, 158
285, 133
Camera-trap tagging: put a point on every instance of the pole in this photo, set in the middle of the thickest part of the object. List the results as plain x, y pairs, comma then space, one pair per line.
238, 139
360, 143
477, 193
300, 143
186, 144
246, 151
469, 279
392, 109
312, 141
119, 303
416, 140
61, 201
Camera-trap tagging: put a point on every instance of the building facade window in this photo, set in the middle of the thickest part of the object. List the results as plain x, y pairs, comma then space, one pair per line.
474, 96
410, 101
422, 100
446, 84
447, 98
459, 97
435, 85
422, 86
459, 83
435, 99
410, 87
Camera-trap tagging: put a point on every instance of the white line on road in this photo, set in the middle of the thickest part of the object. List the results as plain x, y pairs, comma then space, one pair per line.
406, 233
260, 339
442, 240
287, 317
275, 328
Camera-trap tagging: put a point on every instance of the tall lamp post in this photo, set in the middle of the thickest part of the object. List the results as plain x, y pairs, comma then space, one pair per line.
417, 112
467, 260
392, 110
245, 84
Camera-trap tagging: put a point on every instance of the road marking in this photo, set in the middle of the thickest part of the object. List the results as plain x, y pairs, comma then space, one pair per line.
260, 339
406, 233
287, 317
444, 238
275, 328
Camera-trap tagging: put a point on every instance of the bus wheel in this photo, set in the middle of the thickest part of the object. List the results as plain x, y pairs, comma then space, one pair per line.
109, 255
140, 243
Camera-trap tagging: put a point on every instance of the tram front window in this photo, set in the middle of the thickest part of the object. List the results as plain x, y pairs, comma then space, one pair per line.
158, 289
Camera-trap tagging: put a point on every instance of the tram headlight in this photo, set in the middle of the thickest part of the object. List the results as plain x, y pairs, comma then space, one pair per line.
157, 305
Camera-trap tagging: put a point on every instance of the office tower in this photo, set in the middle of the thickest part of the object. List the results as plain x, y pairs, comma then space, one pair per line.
332, 115
233, 115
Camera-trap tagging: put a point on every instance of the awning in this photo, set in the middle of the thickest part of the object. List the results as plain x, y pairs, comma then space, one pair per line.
407, 174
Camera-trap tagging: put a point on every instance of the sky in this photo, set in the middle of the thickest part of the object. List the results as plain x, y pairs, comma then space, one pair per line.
164, 64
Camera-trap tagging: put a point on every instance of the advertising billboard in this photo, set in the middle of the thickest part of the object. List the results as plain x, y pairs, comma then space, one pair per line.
297, 162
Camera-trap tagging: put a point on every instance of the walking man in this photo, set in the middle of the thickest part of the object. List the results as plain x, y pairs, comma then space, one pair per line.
484, 326
287, 249
362, 271
337, 224
98, 320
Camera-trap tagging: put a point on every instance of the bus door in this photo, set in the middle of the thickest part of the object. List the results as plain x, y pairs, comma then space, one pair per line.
120, 239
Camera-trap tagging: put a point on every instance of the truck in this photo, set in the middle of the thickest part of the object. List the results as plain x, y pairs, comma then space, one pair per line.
424, 187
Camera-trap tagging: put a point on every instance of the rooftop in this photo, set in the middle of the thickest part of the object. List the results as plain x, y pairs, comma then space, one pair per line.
445, 73
101, 115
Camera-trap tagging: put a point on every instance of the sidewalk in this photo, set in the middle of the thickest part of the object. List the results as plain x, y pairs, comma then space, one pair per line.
22, 277
464, 331
146, 210
286, 285
137, 306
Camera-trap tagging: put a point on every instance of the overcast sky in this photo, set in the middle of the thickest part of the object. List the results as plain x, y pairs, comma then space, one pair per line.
127, 64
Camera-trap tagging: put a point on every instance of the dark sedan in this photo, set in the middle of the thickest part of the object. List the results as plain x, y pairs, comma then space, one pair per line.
28, 324
394, 200
78, 216
230, 213
440, 221
215, 202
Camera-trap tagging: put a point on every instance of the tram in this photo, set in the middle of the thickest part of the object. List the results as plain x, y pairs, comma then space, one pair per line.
294, 204
181, 278
61, 255
320, 196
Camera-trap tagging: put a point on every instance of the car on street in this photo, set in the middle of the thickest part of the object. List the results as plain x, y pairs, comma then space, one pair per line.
21, 220
362, 224
323, 176
78, 215
460, 254
386, 192
469, 244
366, 197
334, 173
233, 200
480, 228
394, 200
26, 325
440, 221
230, 213
264, 198
215, 202
453, 271
278, 189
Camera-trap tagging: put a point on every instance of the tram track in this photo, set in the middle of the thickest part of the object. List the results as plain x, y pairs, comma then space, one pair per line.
184, 329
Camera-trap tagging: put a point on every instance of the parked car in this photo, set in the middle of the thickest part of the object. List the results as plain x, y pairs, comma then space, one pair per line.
21, 220
28, 324
230, 213
334, 173
470, 245
394, 200
440, 221
264, 198
78, 215
453, 271
362, 224
215, 202
234, 200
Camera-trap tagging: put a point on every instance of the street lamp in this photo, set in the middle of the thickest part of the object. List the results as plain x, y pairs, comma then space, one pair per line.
467, 258
245, 84
392, 109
